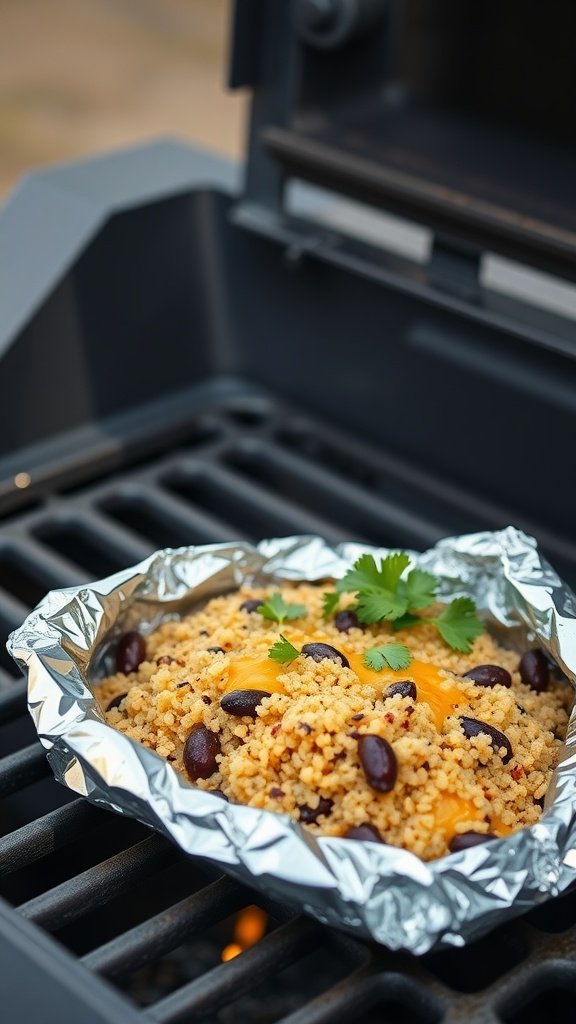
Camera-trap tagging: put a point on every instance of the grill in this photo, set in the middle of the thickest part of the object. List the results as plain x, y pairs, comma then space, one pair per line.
76, 872
239, 372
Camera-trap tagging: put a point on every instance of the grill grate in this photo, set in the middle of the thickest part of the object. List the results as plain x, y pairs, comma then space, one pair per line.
128, 906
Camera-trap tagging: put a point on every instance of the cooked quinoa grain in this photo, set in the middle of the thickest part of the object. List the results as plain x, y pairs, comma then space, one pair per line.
339, 746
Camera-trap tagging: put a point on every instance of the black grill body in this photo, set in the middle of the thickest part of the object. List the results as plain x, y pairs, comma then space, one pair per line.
184, 360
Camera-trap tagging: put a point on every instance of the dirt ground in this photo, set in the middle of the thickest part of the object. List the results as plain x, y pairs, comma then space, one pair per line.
84, 76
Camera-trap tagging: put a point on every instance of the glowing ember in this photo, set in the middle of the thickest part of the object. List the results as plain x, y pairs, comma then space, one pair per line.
249, 927
229, 952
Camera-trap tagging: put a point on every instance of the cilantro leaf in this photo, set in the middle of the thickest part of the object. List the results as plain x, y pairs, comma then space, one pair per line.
366, 574
421, 589
283, 651
375, 604
393, 655
275, 608
406, 621
459, 624
329, 603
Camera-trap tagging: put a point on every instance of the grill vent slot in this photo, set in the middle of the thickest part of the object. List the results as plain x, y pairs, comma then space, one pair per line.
549, 996
18, 579
231, 500
152, 522
479, 965
82, 546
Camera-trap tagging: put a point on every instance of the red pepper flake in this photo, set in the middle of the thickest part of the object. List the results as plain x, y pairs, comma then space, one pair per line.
410, 711
305, 727
405, 725
389, 717
426, 766
276, 729
185, 683
206, 698
517, 772
358, 717
276, 792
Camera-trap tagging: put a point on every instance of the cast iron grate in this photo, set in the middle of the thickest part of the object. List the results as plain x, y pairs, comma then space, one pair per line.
254, 468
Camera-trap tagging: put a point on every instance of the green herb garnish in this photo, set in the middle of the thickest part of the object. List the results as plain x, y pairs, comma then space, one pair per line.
330, 603
275, 608
458, 624
392, 655
382, 594
283, 651
380, 590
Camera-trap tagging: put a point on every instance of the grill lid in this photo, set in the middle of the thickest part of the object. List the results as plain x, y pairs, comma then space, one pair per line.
457, 116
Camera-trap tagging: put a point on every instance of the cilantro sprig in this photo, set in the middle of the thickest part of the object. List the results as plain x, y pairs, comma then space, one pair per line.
393, 655
383, 593
276, 609
283, 651
330, 602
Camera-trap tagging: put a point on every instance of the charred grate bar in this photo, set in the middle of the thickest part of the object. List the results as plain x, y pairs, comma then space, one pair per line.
254, 469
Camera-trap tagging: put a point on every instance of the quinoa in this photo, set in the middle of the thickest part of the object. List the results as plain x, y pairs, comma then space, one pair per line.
300, 752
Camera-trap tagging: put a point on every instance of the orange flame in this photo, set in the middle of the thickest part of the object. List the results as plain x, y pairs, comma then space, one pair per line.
249, 927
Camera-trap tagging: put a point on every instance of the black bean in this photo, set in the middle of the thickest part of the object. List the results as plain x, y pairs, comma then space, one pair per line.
367, 832
472, 727
200, 752
321, 652
346, 620
310, 815
216, 650
534, 670
489, 675
405, 688
379, 762
252, 605
130, 652
467, 839
243, 702
116, 702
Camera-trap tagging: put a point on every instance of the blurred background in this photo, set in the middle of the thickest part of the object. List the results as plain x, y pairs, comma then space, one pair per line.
83, 76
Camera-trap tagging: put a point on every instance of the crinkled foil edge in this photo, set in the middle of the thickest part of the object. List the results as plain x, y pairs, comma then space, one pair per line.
375, 891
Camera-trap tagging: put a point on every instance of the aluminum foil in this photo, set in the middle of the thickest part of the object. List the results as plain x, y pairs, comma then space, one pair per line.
376, 891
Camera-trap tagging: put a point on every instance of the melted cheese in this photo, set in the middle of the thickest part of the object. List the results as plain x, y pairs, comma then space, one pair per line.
255, 674
499, 828
451, 811
431, 687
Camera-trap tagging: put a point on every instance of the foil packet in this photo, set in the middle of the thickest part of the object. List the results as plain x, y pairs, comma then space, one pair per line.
376, 891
